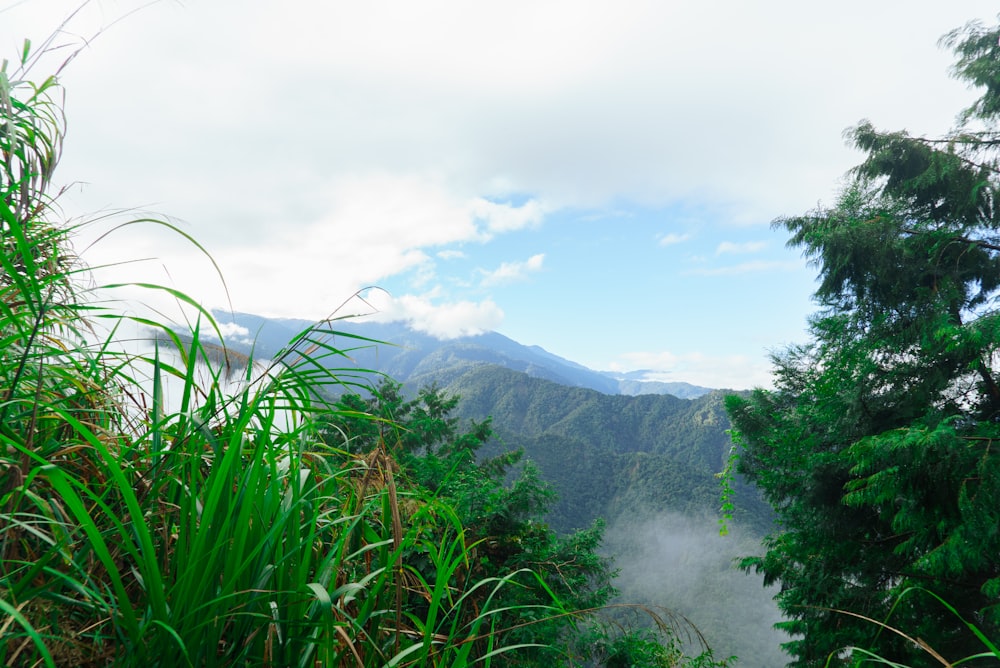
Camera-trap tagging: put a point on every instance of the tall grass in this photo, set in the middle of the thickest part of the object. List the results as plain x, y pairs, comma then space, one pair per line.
214, 530
859, 656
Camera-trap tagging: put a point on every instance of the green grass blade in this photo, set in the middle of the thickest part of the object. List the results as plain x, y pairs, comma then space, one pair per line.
35, 637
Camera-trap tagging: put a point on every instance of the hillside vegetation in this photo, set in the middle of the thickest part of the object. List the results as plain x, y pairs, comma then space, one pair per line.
649, 466
609, 454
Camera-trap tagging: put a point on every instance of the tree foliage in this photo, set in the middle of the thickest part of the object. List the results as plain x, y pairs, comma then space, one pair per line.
878, 446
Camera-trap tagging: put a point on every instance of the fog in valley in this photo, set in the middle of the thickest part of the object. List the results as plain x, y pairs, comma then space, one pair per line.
684, 564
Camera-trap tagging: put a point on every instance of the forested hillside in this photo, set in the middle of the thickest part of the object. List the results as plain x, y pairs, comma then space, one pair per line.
661, 503
649, 465
608, 454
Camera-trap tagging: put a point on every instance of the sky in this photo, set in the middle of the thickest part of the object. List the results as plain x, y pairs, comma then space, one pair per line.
597, 178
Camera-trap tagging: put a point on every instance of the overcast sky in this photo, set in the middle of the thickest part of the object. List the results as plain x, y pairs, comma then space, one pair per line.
597, 177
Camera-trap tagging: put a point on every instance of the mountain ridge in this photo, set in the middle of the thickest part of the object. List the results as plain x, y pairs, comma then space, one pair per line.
415, 358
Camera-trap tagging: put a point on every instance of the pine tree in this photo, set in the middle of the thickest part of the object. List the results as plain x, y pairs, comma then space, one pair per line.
879, 445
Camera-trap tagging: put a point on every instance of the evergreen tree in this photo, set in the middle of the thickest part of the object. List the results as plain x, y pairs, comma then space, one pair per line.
878, 446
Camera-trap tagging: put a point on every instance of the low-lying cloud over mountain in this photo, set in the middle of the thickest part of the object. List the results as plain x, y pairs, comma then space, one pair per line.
414, 357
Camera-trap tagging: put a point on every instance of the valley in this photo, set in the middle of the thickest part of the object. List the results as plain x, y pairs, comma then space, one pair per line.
644, 463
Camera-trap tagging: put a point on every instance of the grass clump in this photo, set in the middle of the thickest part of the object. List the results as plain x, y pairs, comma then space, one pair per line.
216, 529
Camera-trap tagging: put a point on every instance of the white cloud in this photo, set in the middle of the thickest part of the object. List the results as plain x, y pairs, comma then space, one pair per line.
383, 208
317, 148
505, 217
233, 332
734, 372
740, 248
672, 238
444, 320
633, 99
628, 100
367, 228
509, 272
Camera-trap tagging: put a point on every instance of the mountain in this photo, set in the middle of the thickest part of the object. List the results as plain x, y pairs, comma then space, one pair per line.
639, 382
607, 443
415, 358
648, 466
639, 452
607, 454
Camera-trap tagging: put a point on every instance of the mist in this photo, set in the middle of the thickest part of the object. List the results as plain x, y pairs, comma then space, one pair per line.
683, 564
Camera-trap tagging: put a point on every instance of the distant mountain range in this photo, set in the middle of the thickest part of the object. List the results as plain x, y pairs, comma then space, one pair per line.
414, 358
